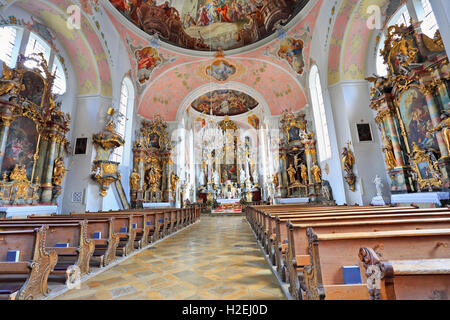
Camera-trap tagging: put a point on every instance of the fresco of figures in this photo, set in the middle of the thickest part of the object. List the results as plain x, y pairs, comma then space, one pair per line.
225, 102
291, 50
209, 24
147, 60
417, 120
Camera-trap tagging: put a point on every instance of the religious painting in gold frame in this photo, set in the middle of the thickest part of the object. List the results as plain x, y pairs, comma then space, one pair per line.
428, 174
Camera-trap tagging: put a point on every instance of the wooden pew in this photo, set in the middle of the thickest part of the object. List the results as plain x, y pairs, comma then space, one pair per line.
278, 239
79, 250
414, 277
329, 252
35, 264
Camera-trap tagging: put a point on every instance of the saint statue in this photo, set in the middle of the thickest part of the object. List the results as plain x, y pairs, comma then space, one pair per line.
173, 181
134, 180
216, 178
58, 171
275, 180
444, 127
317, 173
348, 160
304, 174
201, 179
378, 185
326, 192
389, 157
291, 172
242, 176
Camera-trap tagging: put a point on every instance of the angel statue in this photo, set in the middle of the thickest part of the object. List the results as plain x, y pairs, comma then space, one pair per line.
113, 117
58, 171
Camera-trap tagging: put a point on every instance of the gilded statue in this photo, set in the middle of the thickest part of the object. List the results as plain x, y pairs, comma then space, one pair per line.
348, 160
275, 179
134, 180
59, 171
173, 182
151, 179
389, 157
9, 83
317, 173
304, 173
291, 172
444, 128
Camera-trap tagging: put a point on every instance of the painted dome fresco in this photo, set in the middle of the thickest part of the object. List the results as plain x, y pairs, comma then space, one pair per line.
210, 24
224, 103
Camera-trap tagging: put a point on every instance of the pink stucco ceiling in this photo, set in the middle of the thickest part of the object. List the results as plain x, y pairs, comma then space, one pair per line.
261, 69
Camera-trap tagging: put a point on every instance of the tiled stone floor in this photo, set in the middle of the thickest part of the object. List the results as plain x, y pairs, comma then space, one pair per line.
215, 259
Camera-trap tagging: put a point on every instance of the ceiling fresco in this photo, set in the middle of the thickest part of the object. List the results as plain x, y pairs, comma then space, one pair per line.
210, 24
224, 103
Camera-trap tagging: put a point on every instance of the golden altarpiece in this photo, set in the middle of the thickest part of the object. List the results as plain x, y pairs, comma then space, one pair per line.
153, 179
299, 175
32, 135
412, 105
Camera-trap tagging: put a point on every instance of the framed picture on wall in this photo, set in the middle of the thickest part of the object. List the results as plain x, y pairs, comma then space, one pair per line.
364, 132
80, 146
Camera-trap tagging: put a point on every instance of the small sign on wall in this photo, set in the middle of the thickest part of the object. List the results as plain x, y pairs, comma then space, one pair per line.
77, 197
364, 132
81, 145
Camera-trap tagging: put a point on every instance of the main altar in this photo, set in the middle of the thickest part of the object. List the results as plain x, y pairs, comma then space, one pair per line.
228, 170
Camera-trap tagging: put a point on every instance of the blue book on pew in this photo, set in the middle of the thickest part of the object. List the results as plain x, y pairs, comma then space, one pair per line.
97, 235
61, 245
352, 275
134, 225
123, 229
167, 219
149, 223
161, 220
12, 256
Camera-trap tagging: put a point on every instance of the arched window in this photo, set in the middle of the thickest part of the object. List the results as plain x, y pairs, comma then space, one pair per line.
429, 24
401, 17
424, 13
320, 117
8, 36
10, 43
125, 105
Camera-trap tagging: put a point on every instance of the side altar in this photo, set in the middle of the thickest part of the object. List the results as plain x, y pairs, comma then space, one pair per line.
412, 106
153, 179
33, 140
299, 178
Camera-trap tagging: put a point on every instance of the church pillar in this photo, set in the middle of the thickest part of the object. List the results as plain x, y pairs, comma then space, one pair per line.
435, 114
4, 131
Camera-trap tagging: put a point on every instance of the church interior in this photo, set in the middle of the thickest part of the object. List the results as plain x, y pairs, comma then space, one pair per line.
224, 150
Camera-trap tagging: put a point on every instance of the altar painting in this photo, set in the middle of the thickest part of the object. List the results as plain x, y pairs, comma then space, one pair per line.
21, 145
417, 121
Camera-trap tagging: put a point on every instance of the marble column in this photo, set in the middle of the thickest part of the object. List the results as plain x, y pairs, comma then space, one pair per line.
4, 131
435, 117
46, 183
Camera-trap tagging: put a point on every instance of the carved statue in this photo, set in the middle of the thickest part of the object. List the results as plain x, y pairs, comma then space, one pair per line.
389, 157
444, 127
152, 179
275, 180
59, 171
326, 190
291, 171
348, 160
242, 176
378, 185
201, 179
304, 174
134, 180
216, 178
173, 182
9, 82
317, 173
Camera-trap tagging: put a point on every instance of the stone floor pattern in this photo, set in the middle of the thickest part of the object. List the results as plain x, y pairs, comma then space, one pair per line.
215, 259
